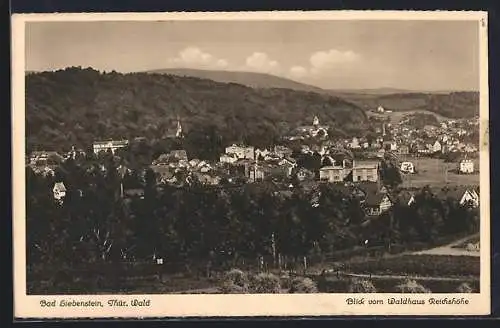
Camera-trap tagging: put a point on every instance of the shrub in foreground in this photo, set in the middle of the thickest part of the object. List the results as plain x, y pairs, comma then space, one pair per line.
235, 282
411, 287
465, 288
265, 283
361, 286
303, 286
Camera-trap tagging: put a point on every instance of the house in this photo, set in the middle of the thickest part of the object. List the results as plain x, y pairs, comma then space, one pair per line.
261, 153
109, 145
407, 167
466, 166
288, 165
228, 158
304, 174
470, 196
390, 145
363, 189
241, 152
380, 109
365, 171
463, 195
41, 158
436, 147
333, 173
377, 203
59, 191
255, 173
282, 151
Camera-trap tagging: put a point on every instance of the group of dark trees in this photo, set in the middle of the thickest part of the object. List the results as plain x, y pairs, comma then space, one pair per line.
76, 106
223, 225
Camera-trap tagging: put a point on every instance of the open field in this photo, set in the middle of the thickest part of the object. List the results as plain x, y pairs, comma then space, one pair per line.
435, 172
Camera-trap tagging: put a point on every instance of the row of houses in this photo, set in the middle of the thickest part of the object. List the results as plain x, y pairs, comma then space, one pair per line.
375, 199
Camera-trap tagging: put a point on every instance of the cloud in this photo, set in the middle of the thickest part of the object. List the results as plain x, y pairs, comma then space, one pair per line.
332, 58
298, 72
260, 62
195, 57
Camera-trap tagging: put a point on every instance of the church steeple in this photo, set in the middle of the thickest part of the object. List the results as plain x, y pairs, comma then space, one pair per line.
315, 121
179, 133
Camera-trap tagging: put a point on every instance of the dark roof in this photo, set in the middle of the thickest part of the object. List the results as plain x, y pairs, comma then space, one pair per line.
368, 187
374, 199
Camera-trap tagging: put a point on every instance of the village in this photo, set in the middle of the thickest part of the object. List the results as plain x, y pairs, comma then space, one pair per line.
315, 158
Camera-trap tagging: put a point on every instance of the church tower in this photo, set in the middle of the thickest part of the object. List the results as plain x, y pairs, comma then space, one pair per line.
179, 133
315, 121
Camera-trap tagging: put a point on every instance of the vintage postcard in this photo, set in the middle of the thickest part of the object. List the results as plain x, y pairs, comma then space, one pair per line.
250, 164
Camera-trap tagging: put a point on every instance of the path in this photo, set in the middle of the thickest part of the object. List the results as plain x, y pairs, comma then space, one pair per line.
449, 250
390, 276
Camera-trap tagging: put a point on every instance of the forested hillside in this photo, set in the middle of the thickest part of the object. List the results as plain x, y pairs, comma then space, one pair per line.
452, 105
76, 106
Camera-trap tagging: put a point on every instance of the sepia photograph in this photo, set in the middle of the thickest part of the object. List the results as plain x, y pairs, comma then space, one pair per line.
167, 159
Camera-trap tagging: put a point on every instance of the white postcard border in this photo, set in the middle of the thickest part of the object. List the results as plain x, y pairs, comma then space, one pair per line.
27, 306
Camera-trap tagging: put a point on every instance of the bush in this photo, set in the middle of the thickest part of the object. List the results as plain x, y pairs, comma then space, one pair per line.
235, 281
229, 288
265, 283
303, 286
422, 265
361, 286
411, 287
465, 288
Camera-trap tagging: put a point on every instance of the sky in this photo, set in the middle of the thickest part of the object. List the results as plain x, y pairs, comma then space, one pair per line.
412, 55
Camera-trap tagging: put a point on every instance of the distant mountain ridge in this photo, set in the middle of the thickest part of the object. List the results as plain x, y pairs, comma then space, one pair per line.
249, 79
263, 80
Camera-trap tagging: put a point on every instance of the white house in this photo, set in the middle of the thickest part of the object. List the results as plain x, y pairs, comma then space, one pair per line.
112, 145
380, 109
466, 166
470, 195
59, 191
407, 167
436, 147
241, 152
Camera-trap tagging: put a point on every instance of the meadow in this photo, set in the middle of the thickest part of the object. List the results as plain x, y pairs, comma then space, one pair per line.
435, 172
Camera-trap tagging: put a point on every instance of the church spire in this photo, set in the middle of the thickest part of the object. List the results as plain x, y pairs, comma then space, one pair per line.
179, 133
316, 121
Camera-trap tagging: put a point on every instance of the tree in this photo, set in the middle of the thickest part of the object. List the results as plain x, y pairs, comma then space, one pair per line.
390, 174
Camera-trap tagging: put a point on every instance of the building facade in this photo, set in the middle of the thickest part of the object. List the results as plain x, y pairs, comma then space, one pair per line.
111, 145
365, 172
466, 166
